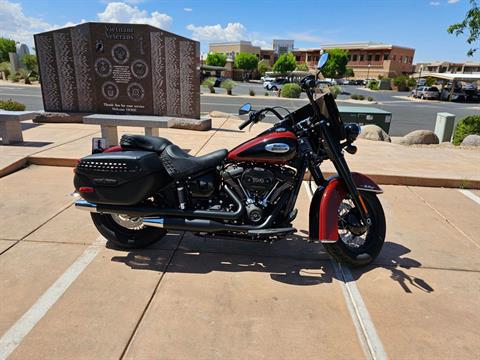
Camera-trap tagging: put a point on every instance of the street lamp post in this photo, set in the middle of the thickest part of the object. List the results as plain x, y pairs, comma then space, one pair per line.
368, 72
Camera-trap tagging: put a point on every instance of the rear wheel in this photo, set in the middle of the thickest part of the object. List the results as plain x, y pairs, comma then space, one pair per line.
274, 88
125, 231
354, 246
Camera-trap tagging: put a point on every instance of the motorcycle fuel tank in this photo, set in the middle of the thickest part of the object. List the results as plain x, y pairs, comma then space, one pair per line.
275, 148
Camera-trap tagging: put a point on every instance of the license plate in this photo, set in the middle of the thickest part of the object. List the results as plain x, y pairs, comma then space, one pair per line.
98, 144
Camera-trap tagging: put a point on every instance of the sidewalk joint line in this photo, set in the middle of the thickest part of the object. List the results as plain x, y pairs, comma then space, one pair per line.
22, 327
210, 138
470, 195
149, 302
364, 327
444, 217
11, 246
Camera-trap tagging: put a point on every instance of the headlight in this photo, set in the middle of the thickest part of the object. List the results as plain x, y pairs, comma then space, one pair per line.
352, 131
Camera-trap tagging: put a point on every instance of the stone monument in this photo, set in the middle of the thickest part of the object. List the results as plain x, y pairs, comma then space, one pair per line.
119, 69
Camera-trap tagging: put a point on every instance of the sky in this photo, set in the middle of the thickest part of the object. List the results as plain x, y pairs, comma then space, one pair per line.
420, 24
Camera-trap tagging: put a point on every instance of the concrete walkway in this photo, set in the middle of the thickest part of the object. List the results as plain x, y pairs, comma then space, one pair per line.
387, 163
191, 298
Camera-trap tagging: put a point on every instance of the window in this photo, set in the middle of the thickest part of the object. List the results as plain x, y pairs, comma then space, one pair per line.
405, 58
266, 57
369, 57
297, 58
349, 57
362, 57
355, 57
377, 57
386, 56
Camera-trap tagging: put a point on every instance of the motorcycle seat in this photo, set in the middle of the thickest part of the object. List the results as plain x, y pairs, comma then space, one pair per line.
142, 142
179, 163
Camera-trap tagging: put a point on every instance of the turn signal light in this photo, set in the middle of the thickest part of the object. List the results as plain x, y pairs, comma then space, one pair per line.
86, 189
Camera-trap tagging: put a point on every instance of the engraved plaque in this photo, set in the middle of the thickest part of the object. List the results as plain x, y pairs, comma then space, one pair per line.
120, 69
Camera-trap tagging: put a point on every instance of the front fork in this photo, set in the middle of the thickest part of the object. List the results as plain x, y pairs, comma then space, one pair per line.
345, 174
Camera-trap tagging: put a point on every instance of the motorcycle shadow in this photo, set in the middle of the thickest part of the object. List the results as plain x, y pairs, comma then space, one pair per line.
293, 261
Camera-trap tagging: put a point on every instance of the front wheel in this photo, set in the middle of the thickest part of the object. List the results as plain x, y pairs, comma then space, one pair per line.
126, 232
354, 247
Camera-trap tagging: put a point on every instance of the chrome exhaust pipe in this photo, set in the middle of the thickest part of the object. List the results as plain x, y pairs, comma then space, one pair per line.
85, 205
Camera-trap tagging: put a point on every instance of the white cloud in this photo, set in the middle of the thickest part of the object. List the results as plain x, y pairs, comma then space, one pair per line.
453, 1
16, 25
434, 3
188, 9
231, 32
124, 13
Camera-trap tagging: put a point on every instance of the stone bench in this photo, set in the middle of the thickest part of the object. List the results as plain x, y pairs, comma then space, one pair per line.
10, 126
109, 123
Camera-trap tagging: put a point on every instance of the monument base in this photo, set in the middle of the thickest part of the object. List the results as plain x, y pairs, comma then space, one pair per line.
58, 117
202, 124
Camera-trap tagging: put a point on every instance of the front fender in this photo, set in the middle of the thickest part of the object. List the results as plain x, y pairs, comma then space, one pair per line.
323, 218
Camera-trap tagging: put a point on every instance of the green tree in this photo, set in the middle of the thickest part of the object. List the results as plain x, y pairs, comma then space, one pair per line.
6, 46
336, 65
471, 25
30, 62
349, 73
247, 62
263, 67
286, 63
216, 59
302, 67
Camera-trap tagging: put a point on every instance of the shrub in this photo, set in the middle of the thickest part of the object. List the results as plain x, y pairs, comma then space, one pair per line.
467, 126
370, 98
361, 97
335, 90
11, 105
24, 75
373, 85
354, 97
13, 77
411, 82
251, 92
430, 81
291, 90
228, 85
209, 82
401, 82
5, 68
266, 93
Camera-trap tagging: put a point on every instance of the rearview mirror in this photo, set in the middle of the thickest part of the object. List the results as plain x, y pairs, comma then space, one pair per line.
322, 61
245, 109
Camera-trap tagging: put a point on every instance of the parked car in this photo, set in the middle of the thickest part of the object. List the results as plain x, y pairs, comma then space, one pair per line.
471, 95
428, 92
416, 92
458, 95
218, 81
275, 85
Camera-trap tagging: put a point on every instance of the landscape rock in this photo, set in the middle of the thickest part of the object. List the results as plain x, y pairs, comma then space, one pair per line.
374, 133
219, 114
202, 124
57, 117
471, 140
423, 137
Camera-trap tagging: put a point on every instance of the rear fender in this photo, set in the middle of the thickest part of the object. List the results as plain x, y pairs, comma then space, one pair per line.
323, 218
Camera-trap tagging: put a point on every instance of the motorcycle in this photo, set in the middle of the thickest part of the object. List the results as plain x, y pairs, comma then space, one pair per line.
143, 188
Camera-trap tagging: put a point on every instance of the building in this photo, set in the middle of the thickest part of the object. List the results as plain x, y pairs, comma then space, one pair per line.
467, 67
283, 46
371, 59
367, 59
231, 49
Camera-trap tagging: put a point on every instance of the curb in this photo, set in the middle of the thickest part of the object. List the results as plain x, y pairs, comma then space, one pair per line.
401, 180
381, 179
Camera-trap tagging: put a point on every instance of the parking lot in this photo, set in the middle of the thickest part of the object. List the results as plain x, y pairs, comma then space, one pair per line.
65, 293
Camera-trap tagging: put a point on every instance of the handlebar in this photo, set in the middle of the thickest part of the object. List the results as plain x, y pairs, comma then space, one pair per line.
256, 116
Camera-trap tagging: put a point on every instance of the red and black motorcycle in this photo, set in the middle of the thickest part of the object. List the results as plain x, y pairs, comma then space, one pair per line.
147, 186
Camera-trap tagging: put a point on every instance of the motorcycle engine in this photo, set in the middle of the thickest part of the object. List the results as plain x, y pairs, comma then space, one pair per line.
259, 187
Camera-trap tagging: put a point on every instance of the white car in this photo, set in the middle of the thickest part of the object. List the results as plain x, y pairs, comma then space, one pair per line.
267, 79
275, 85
